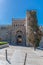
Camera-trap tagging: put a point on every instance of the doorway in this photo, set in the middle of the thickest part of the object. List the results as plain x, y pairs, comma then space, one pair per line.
19, 40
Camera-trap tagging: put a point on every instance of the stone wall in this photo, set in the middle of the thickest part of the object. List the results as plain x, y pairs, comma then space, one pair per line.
17, 26
4, 33
31, 19
27, 26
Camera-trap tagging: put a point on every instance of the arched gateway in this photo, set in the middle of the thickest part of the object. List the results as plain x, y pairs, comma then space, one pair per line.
20, 38
19, 32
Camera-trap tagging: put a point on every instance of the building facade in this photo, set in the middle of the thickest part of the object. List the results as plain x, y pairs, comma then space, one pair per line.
18, 32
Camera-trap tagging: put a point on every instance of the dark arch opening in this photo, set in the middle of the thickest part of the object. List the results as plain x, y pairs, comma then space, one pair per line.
19, 40
19, 36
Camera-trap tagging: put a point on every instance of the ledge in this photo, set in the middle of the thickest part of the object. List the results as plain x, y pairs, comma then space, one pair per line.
4, 46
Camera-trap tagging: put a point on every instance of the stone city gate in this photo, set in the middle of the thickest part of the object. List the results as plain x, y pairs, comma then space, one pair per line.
20, 38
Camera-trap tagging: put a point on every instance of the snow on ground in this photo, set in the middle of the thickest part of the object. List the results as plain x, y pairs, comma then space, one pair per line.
16, 56
2, 62
39, 52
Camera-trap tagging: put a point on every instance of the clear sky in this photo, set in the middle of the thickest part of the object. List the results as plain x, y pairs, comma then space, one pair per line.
17, 9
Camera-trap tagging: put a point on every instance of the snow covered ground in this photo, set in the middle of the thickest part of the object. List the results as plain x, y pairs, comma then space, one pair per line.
16, 56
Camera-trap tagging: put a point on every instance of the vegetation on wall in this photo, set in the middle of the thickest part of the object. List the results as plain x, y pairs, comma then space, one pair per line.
34, 38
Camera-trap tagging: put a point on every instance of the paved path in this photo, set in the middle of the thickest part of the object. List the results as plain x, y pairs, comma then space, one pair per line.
18, 56
10, 50
32, 57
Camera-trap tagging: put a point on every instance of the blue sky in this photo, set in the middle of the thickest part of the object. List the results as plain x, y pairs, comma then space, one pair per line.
17, 9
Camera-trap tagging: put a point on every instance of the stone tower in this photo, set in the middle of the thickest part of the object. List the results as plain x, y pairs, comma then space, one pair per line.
31, 24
